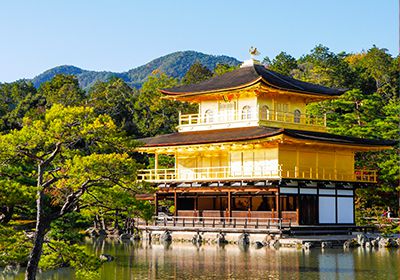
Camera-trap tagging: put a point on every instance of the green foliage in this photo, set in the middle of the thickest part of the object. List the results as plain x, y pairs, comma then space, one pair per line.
69, 227
324, 67
144, 209
17, 100
73, 155
196, 73
377, 62
154, 115
60, 254
62, 89
14, 247
164, 162
17, 194
222, 68
283, 63
114, 98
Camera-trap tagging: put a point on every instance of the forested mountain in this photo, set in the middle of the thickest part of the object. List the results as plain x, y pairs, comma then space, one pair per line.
175, 65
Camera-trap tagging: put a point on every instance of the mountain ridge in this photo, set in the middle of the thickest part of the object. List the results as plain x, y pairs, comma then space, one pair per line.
175, 64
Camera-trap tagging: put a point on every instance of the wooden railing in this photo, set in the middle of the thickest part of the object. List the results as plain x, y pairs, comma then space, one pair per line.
219, 222
243, 172
253, 115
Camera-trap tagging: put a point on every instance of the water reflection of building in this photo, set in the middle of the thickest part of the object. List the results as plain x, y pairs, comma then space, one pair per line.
230, 262
186, 261
252, 150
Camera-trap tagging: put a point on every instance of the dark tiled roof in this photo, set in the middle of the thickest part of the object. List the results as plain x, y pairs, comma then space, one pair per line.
210, 136
249, 75
253, 133
333, 138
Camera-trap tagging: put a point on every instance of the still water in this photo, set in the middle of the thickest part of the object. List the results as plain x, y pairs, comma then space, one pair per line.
187, 261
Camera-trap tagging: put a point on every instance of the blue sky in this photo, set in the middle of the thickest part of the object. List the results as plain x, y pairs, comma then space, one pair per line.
119, 35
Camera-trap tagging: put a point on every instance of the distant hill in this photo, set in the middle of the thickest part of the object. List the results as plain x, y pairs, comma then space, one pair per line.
175, 64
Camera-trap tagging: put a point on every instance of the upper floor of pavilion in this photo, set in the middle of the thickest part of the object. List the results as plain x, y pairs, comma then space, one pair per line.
251, 96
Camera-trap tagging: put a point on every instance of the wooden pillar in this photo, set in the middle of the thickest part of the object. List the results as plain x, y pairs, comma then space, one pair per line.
175, 203
250, 201
176, 165
229, 205
156, 166
156, 204
278, 204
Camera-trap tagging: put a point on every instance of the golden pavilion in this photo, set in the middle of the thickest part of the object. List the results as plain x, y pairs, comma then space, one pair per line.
253, 151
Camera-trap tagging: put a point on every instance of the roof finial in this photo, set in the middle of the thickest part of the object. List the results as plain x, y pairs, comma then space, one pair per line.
250, 62
254, 52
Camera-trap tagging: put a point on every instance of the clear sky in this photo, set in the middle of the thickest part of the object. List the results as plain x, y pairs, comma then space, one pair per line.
118, 35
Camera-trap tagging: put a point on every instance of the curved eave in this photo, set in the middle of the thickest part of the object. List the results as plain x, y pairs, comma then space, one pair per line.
272, 135
353, 146
181, 95
188, 95
302, 92
226, 143
278, 137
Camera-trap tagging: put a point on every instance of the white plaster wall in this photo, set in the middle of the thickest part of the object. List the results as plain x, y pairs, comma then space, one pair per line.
208, 105
247, 101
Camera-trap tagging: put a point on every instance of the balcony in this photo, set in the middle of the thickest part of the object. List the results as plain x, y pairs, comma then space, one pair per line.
234, 119
244, 173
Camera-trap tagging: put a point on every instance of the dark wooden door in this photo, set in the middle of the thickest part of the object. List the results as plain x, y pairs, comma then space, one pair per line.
308, 209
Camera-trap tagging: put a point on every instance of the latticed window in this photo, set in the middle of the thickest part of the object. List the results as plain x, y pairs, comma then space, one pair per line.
246, 113
208, 116
227, 111
297, 116
264, 112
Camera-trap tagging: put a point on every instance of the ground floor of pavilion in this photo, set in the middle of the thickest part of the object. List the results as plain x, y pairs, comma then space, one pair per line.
297, 202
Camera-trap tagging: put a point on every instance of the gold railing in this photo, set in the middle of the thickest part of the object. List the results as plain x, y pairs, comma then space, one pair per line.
286, 117
206, 173
359, 175
243, 172
253, 115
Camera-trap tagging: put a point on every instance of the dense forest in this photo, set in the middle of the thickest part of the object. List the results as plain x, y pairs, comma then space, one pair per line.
68, 161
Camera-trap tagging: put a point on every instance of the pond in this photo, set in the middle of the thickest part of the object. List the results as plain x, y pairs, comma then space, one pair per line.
187, 261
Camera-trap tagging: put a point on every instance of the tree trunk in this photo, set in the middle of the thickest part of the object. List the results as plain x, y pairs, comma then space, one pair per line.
42, 224
7, 211
43, 219
116, 224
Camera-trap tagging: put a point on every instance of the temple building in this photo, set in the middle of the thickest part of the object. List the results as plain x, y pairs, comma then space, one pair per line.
253, 151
